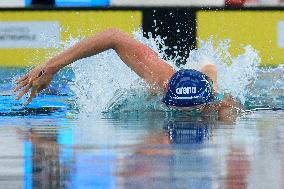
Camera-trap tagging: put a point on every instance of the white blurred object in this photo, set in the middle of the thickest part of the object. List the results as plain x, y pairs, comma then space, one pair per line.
262, 2
12, 3
167, 3
29, 34
251, 2
281, 34
269, 2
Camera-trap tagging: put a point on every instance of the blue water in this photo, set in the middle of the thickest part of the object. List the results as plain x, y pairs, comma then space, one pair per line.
51, 144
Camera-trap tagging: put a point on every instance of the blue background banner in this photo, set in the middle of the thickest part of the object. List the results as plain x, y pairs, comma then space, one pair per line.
28, 2
82, 2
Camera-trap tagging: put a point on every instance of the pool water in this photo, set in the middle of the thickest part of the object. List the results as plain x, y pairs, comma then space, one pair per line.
51, 144
99, 127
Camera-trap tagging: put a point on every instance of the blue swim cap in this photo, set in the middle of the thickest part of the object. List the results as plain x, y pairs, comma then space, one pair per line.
188, 87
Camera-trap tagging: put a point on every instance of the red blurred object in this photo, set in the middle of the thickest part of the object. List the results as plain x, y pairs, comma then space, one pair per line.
232, 3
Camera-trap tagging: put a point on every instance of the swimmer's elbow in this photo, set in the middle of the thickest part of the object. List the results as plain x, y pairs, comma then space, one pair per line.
114, 34
117, 37
105, 40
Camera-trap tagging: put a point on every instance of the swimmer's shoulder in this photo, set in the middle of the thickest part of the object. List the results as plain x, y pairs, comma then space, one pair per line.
224, 101
230, 101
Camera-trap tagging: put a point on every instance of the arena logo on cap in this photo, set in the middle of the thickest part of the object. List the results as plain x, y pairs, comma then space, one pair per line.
186, 90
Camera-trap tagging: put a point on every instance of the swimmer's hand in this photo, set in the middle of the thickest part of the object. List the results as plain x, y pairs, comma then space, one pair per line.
37, 79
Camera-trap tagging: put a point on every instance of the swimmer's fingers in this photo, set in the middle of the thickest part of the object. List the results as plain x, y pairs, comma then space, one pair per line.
32, 95
31, 75
23, 78
23, 84
24, 91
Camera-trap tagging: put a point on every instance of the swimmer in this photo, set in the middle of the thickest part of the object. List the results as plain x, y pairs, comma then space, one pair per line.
183, 89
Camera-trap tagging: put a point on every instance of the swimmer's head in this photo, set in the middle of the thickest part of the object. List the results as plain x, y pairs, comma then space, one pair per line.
189, 88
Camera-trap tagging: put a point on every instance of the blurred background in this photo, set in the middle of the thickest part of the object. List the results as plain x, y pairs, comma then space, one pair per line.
31, 30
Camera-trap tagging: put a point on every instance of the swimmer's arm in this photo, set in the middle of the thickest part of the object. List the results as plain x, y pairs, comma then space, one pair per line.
140, 58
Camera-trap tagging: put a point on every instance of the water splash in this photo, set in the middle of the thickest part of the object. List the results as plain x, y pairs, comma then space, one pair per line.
235, 74
96, 82
101, 88
268, 89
